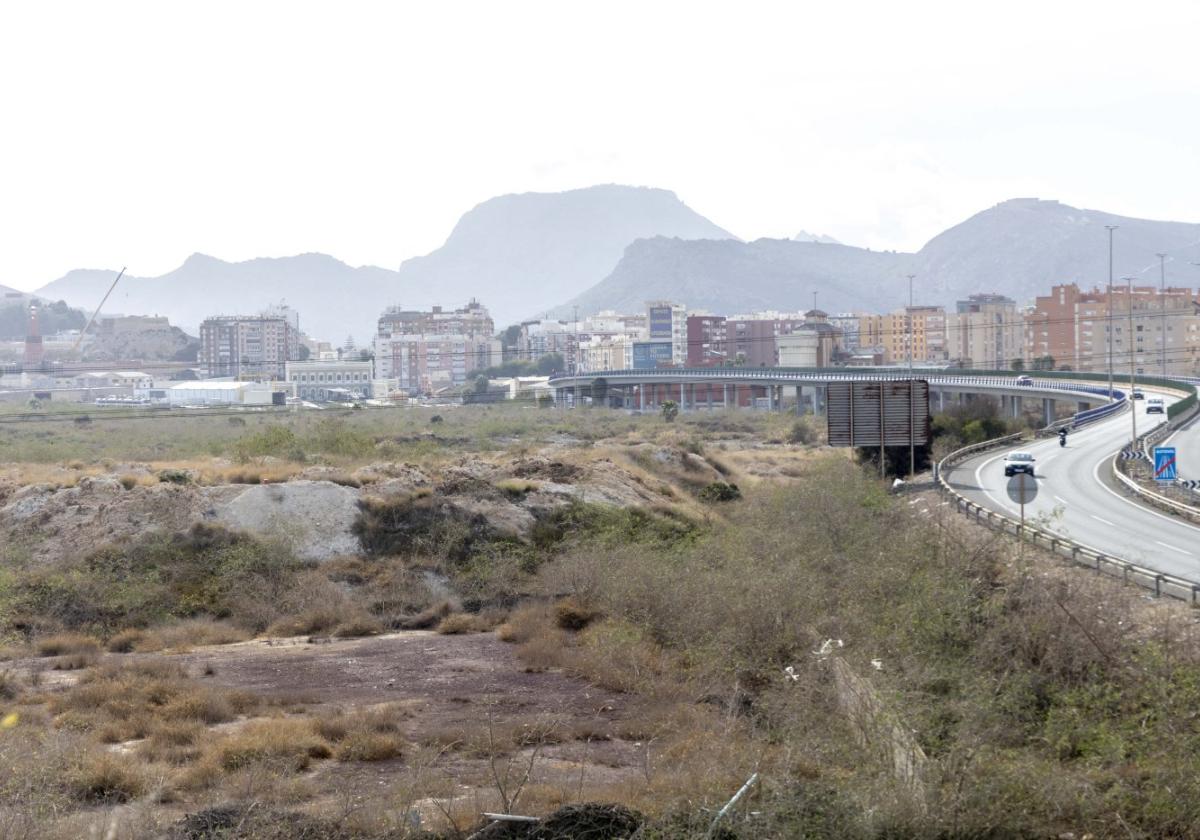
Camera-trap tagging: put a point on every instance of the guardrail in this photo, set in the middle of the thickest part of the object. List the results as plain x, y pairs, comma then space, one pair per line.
1124, 476
1157, 582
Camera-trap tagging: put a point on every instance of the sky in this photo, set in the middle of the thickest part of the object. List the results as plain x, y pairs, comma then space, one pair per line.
137, 133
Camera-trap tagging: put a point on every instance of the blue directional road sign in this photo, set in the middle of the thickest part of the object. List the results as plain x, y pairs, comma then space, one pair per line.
1164, 464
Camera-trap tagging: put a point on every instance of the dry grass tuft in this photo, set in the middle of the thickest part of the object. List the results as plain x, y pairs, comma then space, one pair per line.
64, 644
363, 745
460, 623
126, 641
283, 743
194, 632
106, 778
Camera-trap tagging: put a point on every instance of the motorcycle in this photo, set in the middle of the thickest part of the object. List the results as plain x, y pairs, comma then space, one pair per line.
1062, 438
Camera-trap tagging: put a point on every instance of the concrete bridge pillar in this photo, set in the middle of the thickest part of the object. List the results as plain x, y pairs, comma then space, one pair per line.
819, 400
1082, 406
1047, 411
641, 389
799, 399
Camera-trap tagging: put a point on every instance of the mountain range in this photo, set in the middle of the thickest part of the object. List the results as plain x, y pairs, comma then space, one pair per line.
615, 247
516, 253
1019, 248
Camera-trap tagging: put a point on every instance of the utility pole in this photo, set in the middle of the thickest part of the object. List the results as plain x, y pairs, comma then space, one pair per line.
1162, 308
1132, 365
1110, 229
912, 445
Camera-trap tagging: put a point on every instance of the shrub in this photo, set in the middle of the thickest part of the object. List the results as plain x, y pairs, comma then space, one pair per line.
360, 625
129, 481
720, 491
670, 410
276, 441
802, 433
125, 641
570, 614
175, 476
427, 618
106, 778
459, 623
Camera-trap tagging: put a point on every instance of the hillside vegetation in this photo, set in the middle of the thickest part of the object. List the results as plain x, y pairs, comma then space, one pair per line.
739, 604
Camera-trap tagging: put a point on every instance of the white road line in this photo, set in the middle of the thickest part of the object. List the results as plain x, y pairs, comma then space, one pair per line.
1173, 548
1096, 475
1061, 499
1105, 521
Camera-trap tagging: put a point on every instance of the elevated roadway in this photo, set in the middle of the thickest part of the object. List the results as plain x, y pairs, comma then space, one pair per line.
1079, 499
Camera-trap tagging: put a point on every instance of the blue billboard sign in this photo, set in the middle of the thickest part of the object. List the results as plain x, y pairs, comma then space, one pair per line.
1165, 468
648, 355
660, 322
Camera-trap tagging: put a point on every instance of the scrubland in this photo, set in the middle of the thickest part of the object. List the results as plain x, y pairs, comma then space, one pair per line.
755, 605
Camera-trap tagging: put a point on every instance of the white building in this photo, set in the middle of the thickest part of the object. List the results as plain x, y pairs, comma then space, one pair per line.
134, 379
220, 392
314, 379
608, 352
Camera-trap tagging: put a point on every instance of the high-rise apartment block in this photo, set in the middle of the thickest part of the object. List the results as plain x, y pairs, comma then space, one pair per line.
250, 346
1072, 327
985, 331
431, 351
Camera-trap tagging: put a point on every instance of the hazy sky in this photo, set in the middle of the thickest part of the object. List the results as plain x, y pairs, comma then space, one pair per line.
137, 133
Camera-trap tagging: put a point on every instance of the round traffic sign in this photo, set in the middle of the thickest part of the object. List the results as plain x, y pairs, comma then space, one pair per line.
1022, 488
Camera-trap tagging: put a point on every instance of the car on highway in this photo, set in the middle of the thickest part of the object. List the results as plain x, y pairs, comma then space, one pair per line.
1025, 381
1155, 405
1138, 395
1018, 462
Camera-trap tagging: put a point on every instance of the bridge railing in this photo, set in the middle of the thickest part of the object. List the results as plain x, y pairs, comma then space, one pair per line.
1157, 582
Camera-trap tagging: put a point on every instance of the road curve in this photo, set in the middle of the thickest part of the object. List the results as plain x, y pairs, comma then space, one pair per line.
1078, 499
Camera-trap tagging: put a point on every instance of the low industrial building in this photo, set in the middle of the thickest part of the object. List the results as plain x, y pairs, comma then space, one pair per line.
220, 392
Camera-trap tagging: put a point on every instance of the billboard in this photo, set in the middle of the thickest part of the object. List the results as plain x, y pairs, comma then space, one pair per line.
660, 322
648, 355
878, 413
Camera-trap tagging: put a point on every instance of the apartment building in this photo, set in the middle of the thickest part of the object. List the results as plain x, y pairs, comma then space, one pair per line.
256, 346
667, 321
1072, 327
426, 352
706, 341
986, 331
889, 335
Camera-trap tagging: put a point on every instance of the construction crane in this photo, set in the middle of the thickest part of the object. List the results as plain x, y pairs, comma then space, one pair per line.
92, 320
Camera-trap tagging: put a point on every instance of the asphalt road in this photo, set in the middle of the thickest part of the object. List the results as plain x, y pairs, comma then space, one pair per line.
1077, 496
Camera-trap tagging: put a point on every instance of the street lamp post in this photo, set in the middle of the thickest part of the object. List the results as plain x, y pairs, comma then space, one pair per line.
1110, 229
1162, 309
912, 432
1132, 364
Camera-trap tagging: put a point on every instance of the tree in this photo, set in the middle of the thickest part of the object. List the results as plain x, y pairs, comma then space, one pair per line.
1018, 364
670, 410
304, 352
481, 385
549, 363
1043, 363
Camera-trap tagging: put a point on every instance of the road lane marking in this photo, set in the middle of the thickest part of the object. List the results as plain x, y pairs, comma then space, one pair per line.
1096, 475
1105, 521
1173, 548
1061, 499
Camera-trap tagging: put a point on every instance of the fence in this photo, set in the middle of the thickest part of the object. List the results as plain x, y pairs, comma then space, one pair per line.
1160, 584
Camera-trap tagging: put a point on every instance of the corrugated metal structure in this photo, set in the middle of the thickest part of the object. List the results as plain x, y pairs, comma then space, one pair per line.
878, 413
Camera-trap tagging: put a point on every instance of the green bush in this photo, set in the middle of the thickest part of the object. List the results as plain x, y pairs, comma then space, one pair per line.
720, 491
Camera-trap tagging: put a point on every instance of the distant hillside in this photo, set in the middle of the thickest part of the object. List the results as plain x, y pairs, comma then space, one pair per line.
333, 299
521, 254
52, 318
518, 254
733, 277
1019, 248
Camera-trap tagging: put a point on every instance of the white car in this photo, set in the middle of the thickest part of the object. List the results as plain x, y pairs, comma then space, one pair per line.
1018, 462
1155, 405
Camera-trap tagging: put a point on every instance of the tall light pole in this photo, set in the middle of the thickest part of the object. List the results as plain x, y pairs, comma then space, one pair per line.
1162, 309
912, 432
1110, 229
1132, 363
